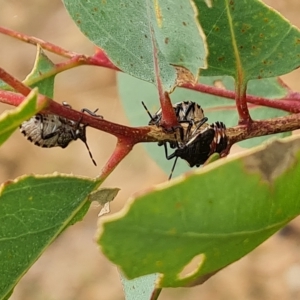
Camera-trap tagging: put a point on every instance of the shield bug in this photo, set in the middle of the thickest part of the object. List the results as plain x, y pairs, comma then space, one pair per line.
199, 140
49, 130
201, 145
186, 112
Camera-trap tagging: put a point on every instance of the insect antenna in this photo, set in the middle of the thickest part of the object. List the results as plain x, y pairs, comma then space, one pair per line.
83, 138
90, 153
148, 112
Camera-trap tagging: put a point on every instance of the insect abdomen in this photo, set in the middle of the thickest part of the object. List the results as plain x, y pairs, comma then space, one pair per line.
38, 126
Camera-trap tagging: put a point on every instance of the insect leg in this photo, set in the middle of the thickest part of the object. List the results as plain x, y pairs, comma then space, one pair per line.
66, 104
204, 120
173, 168
170, 157
92, 113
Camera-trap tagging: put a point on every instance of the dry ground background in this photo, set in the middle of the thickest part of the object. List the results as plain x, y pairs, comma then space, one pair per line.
72, 268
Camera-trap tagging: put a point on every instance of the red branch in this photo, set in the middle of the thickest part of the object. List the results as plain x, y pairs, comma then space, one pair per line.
123, 147
169, 119
290, 103
15, 83
35, 41
11, 98
241, 104
129, 136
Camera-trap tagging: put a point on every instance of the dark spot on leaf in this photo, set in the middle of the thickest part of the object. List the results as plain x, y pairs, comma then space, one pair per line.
261, 35
253, 47
270, 163
184, 23
166, 40
241, 47
146, 36
297, 41
221, 58
95, 8
266, 20
141, 57
78, 21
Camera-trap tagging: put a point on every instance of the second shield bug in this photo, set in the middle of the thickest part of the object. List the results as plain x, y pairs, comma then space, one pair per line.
49, 130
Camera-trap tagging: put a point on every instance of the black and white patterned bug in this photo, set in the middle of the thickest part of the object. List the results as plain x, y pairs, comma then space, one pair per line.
200, 146
186, 112
49, 130
199, 141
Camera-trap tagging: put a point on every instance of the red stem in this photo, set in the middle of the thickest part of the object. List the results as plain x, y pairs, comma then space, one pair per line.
11, 98
101, 59
13, 82
120, 131
35, 41
123, 147
169, 119
241, 104
289, 103
286, 103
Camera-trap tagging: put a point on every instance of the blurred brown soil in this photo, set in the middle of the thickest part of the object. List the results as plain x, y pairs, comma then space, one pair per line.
72, 268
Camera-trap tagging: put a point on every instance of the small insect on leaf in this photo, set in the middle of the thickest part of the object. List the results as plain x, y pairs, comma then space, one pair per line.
49, 130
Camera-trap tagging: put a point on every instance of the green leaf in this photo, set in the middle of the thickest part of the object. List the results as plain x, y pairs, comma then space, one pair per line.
215, 216
11, 119
42, 65
133, 91
37, 77
129, 32
34, 210
140, 288
248, 38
